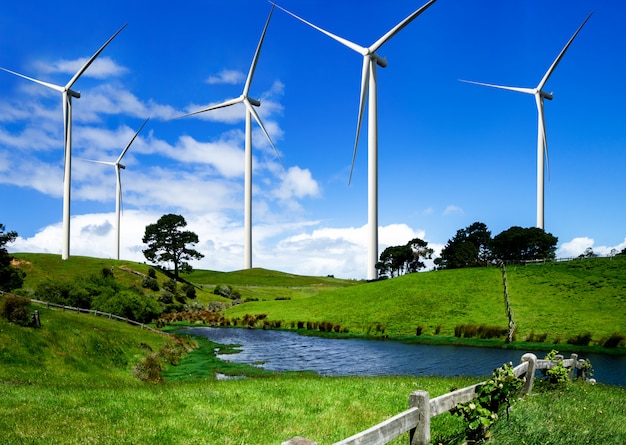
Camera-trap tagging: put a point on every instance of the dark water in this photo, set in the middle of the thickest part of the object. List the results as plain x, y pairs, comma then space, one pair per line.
288, 351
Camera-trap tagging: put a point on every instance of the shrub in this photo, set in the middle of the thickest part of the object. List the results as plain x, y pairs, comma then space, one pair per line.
580, 339
614, 340
171, 286
152, 273
150, 283
190, 291
14, 309
149, 369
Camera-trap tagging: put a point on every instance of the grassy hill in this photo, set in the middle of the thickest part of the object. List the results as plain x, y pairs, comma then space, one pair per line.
71, 380
555, 300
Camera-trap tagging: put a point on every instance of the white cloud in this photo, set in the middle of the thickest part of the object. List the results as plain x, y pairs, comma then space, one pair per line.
298, 183
291, 247
453, 210
101, 68
226, 76
577, 246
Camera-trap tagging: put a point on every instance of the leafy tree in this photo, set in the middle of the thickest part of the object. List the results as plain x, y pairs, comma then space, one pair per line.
168, 243
522, 244
398, 260
470, 247
10, 277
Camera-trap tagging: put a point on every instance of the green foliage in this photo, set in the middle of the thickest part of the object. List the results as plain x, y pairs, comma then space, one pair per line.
557, 375
524, 244
167, 243
150, 283
398, 260
580, 339
614, 340
495, 394
470, 247
15, 309
10, 277
224, 290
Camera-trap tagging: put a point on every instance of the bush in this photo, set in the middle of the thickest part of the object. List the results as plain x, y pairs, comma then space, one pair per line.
580, 339
149, 369
152, 273
614, 340
189, 291
150, 283
14, 309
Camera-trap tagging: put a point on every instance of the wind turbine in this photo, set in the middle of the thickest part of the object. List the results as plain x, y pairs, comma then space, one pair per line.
368, 82
249, 103
542, 142
118, 190
68, 94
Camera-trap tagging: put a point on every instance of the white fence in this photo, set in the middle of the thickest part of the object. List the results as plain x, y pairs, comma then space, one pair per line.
416, 419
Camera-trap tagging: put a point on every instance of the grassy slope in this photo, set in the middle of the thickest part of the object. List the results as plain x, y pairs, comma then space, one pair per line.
558, 299
561, 299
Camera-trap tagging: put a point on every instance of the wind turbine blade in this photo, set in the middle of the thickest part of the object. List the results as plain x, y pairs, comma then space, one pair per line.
246, 87
131, 141
97, 162
212, 107
542, 130
46, 84
365, 75
396, 29
520, 90
560, 56
90, 61
359, 49
267, 135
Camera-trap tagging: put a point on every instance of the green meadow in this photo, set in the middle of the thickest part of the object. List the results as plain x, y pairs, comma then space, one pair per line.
74, 380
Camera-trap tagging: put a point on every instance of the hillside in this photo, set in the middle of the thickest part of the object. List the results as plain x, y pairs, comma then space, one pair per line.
556, 300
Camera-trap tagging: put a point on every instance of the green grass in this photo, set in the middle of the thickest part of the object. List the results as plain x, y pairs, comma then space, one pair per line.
560, 300
71, 382
578, 413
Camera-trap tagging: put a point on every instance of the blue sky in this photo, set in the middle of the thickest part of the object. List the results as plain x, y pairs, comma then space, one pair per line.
450, 153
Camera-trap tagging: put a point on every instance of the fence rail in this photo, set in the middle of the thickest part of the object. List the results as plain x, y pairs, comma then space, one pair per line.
416, 419
94, 312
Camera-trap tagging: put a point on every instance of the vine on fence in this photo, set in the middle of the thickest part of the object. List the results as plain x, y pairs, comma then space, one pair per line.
495, 394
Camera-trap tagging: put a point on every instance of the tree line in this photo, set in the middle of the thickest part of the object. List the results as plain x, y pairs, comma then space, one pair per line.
472, 246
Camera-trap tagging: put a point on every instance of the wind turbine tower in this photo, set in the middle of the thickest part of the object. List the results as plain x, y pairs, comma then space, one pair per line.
68, 94
249, 103
368, 83
542, 142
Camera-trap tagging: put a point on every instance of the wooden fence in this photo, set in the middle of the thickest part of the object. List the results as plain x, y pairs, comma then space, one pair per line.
96, 313
416, 419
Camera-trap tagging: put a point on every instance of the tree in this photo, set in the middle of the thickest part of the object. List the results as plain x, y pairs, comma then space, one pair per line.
523, 244
470, 247
398, 260
10, 277
168, 243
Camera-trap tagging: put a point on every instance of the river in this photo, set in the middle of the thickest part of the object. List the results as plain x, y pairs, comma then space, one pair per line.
288, 351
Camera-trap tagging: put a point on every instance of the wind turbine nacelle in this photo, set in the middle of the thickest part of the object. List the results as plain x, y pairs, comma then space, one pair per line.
379, 60
121, 166
256, 103
546, 95
73, 93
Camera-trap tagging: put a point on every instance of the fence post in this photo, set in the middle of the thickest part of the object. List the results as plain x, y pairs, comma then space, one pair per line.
572, 370
530, 372
420, 435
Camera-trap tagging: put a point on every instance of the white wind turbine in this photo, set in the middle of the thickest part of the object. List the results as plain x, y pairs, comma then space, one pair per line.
67, 93
249, 103
118, 189
368, 82
542, 142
